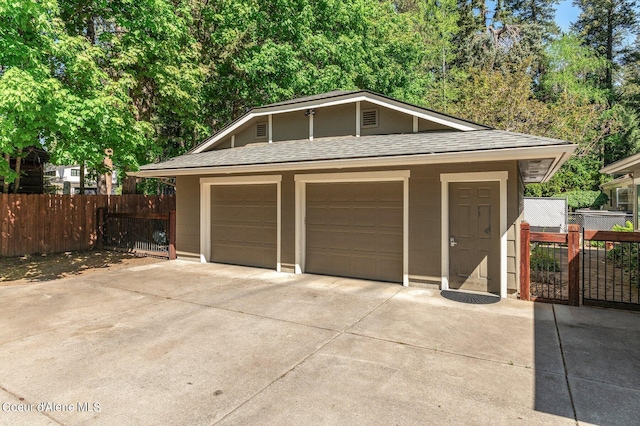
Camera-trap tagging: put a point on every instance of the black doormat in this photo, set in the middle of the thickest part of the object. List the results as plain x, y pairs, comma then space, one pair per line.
470, 298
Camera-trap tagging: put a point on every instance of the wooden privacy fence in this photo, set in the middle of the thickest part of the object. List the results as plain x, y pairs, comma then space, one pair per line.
603, 271
47, 224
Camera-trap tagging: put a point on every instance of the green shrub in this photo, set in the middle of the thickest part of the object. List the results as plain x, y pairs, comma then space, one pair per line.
543, 260
628, 227
625, 255
585, 199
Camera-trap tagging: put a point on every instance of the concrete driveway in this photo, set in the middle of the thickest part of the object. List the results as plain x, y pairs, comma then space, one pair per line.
185, 343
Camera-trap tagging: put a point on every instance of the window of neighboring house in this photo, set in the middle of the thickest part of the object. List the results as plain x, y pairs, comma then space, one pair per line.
75, 172
623, 197
50, 173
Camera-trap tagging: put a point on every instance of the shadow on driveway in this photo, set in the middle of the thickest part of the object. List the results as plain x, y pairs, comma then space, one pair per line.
599, 352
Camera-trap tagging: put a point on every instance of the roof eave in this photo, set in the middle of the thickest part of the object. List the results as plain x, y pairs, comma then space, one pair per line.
360, 96
626, 165
560, 153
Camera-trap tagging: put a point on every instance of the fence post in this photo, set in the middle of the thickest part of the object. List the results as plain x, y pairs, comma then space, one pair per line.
172, 235
573, 244
99, 227
525, 268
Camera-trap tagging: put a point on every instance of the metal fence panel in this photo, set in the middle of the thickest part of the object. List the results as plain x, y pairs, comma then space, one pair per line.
599, 220
546, 214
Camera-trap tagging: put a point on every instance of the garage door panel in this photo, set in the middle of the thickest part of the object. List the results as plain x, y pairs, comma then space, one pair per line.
390, 217
316, 239
340, 216
362, 216
361, 236
340, 240
255, 214
316, 215
388, 193
341, 265
388, 243
243, 224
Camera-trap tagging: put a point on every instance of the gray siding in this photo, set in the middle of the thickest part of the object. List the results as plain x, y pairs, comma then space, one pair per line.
188, 217
389, 121
290, 126
424, 216
338, 120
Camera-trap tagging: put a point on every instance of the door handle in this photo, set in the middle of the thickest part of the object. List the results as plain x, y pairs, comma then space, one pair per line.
452, 241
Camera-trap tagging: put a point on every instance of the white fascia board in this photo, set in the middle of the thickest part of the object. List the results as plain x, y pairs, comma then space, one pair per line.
345, 99
558, 162
621, 181
225, 132
560, 152
626, 165
402, 108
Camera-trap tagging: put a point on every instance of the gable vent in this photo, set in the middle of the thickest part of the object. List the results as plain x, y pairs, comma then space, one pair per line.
261, 130
370, 118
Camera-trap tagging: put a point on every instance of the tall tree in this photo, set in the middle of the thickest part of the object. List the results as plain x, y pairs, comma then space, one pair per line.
605, 25
540, 12
27, 87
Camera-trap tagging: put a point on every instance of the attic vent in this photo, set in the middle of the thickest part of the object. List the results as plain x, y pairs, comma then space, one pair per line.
370, 118
261, 130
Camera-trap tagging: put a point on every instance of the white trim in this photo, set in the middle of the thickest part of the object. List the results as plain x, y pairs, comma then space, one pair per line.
340, 100
205, 209
301, 181
415, 124
311, 127
560, 152
626, 165
270, 128
390, 175
233, 141
358, 119
635, 183
445, 179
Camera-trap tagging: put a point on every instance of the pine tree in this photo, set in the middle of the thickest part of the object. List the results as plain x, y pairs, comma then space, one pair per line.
605, 24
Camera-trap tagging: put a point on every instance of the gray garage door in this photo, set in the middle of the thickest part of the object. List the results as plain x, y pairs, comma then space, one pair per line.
244, 225
355, 230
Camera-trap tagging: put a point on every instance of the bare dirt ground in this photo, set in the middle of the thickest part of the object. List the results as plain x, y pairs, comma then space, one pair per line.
38, 268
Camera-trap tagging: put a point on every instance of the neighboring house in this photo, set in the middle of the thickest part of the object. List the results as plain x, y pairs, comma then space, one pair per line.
32, 168
58, 175
627, 185
620, 193
357, 184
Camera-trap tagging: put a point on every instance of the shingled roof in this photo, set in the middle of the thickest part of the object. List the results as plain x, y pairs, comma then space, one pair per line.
351, 147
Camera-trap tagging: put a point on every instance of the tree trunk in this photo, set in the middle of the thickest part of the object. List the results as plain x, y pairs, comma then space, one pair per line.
5, 186
16, 183
104, 179
82, 178
129, 184
609, 75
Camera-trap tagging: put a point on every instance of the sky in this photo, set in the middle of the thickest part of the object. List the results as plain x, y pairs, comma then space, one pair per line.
566, 14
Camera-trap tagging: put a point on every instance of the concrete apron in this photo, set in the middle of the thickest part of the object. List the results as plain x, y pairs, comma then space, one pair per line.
187, 343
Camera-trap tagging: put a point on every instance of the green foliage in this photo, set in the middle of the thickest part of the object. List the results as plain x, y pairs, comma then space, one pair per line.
625, 255
585, 199
543, 259
577, 174
150, 79
571, 69
604, 25
628, 227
